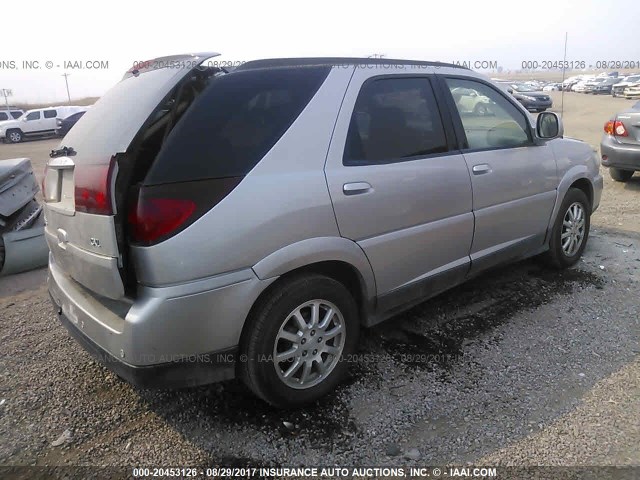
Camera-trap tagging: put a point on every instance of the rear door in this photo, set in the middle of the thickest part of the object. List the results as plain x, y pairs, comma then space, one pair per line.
80, 208
398, 188
514, 180
49, 120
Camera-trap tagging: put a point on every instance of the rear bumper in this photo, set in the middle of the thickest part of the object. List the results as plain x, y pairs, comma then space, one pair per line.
183, 335
190, 371
619, 155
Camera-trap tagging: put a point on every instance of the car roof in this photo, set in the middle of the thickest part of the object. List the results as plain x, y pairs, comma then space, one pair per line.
338, 61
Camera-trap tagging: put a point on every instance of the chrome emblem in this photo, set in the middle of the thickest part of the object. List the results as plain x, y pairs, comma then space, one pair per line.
94, 242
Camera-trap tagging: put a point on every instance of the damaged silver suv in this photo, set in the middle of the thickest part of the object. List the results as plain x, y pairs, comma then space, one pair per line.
249, 223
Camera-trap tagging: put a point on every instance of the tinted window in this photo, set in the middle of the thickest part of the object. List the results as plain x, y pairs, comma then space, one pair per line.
394, 119
234, 123
3, 116
33, 116
16, 114
489, 119
49, 114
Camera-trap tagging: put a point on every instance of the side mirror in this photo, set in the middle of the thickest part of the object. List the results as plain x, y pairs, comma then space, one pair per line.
549, 126
510, 90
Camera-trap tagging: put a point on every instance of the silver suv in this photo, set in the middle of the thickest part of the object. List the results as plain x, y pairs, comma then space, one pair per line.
249, 223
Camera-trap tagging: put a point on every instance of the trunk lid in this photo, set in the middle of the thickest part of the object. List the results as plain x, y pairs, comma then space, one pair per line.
81, 183
631, 121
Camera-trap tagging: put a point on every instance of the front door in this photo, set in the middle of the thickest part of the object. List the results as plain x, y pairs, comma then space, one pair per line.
514, 180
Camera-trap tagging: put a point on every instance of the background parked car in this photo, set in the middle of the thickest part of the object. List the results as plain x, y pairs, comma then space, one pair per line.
22, 244
602, 85
10, 114
469, 100
64, 125
36, 122
618, 89
531, 98
620, 144
632, 91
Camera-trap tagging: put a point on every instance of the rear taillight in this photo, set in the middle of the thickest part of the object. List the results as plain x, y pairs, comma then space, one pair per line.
93, 188
615, 128
154, 218
158, 212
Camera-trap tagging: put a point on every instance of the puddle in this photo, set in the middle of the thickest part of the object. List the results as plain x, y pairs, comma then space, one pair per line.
433, 334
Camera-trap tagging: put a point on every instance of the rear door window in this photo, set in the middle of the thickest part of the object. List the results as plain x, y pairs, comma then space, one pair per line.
49, 114
16, 114
234, 123
394, 119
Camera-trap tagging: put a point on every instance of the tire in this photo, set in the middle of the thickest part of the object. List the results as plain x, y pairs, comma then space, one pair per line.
620, 175
562, 253
273, 317
1, 253
14, 136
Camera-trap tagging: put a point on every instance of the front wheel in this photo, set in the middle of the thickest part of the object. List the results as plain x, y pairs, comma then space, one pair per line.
14, 136
620, 175
570, 231
298, 339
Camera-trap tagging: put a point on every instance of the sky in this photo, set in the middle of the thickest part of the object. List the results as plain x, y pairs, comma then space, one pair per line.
70, 36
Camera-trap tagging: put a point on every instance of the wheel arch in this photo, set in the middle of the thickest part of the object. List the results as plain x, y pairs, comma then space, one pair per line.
577, 177
335, 257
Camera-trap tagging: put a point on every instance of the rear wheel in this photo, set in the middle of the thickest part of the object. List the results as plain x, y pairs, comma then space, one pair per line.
620, 175
14, 136
297, 340
570, 231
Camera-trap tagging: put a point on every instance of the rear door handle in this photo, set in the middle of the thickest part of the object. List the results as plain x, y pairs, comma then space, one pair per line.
356, 188
481, 169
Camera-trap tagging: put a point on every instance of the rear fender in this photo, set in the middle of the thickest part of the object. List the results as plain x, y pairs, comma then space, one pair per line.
315, 250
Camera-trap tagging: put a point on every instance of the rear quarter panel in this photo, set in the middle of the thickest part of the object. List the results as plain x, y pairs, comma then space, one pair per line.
282, 201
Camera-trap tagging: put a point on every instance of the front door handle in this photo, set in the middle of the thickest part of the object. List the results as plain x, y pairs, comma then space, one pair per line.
356, 188
481, 169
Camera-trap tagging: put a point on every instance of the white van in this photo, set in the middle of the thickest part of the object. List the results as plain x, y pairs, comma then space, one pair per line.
36, 122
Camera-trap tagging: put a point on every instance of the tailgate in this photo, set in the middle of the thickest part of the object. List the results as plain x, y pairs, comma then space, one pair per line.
80, 201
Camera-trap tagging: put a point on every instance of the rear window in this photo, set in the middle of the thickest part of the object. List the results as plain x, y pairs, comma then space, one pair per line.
234, 123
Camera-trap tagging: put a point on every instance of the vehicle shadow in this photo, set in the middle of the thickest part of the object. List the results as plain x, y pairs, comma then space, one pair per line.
633, 183
428, 342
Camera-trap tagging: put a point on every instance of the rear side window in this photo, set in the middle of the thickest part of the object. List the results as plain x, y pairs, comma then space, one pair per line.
394, 119
3, 116
234, 123
49, 114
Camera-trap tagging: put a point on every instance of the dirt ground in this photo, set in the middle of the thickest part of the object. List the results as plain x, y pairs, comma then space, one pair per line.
521, 366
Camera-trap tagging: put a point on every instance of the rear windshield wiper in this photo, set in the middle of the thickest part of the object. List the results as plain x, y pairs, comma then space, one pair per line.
62, 152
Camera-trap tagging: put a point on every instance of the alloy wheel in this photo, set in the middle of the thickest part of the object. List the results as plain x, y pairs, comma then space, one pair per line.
573, 227
309, 344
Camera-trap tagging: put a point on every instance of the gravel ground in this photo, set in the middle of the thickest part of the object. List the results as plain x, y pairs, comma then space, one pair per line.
494, 364
520, 366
